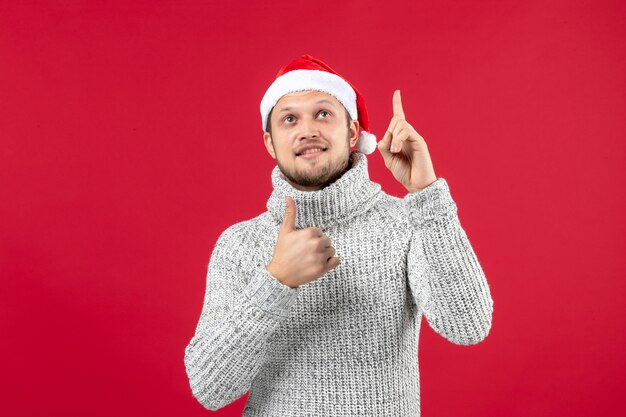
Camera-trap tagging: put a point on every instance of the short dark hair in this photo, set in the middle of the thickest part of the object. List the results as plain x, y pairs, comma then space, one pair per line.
269, 120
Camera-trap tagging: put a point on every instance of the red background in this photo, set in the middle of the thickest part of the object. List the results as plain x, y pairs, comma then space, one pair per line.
131, 137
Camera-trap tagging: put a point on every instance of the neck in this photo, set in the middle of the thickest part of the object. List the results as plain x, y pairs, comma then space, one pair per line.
351, 194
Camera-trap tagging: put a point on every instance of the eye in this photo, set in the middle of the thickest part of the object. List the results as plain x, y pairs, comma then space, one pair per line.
286, 118
324, 112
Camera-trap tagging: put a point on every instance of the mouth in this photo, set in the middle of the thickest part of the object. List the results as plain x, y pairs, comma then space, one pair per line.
311, 153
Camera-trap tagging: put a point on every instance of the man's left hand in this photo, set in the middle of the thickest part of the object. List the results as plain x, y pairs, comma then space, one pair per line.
405, 151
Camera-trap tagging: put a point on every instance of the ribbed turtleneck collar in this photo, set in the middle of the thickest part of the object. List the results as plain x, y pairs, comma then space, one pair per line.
353, 193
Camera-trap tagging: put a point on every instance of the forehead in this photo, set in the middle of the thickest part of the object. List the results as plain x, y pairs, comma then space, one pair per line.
308, 97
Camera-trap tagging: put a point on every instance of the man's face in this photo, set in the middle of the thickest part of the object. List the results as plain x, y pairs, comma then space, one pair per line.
310, 119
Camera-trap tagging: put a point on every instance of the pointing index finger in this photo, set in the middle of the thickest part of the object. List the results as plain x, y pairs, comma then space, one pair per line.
397, 104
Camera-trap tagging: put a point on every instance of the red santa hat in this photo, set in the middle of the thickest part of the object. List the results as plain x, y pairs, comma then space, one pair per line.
309, 73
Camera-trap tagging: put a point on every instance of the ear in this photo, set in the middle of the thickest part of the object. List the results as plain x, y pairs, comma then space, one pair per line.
354, 132
269, 145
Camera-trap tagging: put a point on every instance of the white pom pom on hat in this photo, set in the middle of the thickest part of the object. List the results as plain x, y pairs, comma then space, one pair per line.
309, 73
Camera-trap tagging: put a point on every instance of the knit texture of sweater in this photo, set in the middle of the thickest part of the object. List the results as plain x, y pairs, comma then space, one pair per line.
346, 343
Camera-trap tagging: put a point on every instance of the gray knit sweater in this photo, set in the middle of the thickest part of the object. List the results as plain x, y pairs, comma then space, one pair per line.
346, 343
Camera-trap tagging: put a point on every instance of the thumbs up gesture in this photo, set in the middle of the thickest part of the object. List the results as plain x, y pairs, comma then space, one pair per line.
405, 152
300, 256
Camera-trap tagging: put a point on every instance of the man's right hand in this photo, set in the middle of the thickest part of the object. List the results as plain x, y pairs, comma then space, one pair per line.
300, 256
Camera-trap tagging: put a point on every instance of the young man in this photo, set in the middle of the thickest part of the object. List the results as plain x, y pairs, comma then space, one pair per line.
315, 305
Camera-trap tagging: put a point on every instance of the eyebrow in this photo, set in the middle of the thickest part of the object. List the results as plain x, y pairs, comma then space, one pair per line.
284, 109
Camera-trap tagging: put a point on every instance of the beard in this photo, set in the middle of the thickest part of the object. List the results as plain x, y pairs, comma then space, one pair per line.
321, 176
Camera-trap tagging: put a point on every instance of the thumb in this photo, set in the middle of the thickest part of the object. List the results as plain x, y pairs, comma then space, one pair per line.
289, 222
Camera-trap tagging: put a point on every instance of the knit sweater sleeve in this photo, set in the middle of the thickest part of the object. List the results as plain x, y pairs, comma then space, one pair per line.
240, 312
445, 277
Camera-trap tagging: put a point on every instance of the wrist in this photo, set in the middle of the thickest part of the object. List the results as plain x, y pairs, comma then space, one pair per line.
276, 274
416, 189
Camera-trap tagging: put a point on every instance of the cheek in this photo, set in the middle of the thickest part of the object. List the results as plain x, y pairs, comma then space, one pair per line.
282, 146
338, 133
334, 130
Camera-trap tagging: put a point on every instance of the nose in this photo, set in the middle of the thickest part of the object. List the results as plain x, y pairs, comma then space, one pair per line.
309, 129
